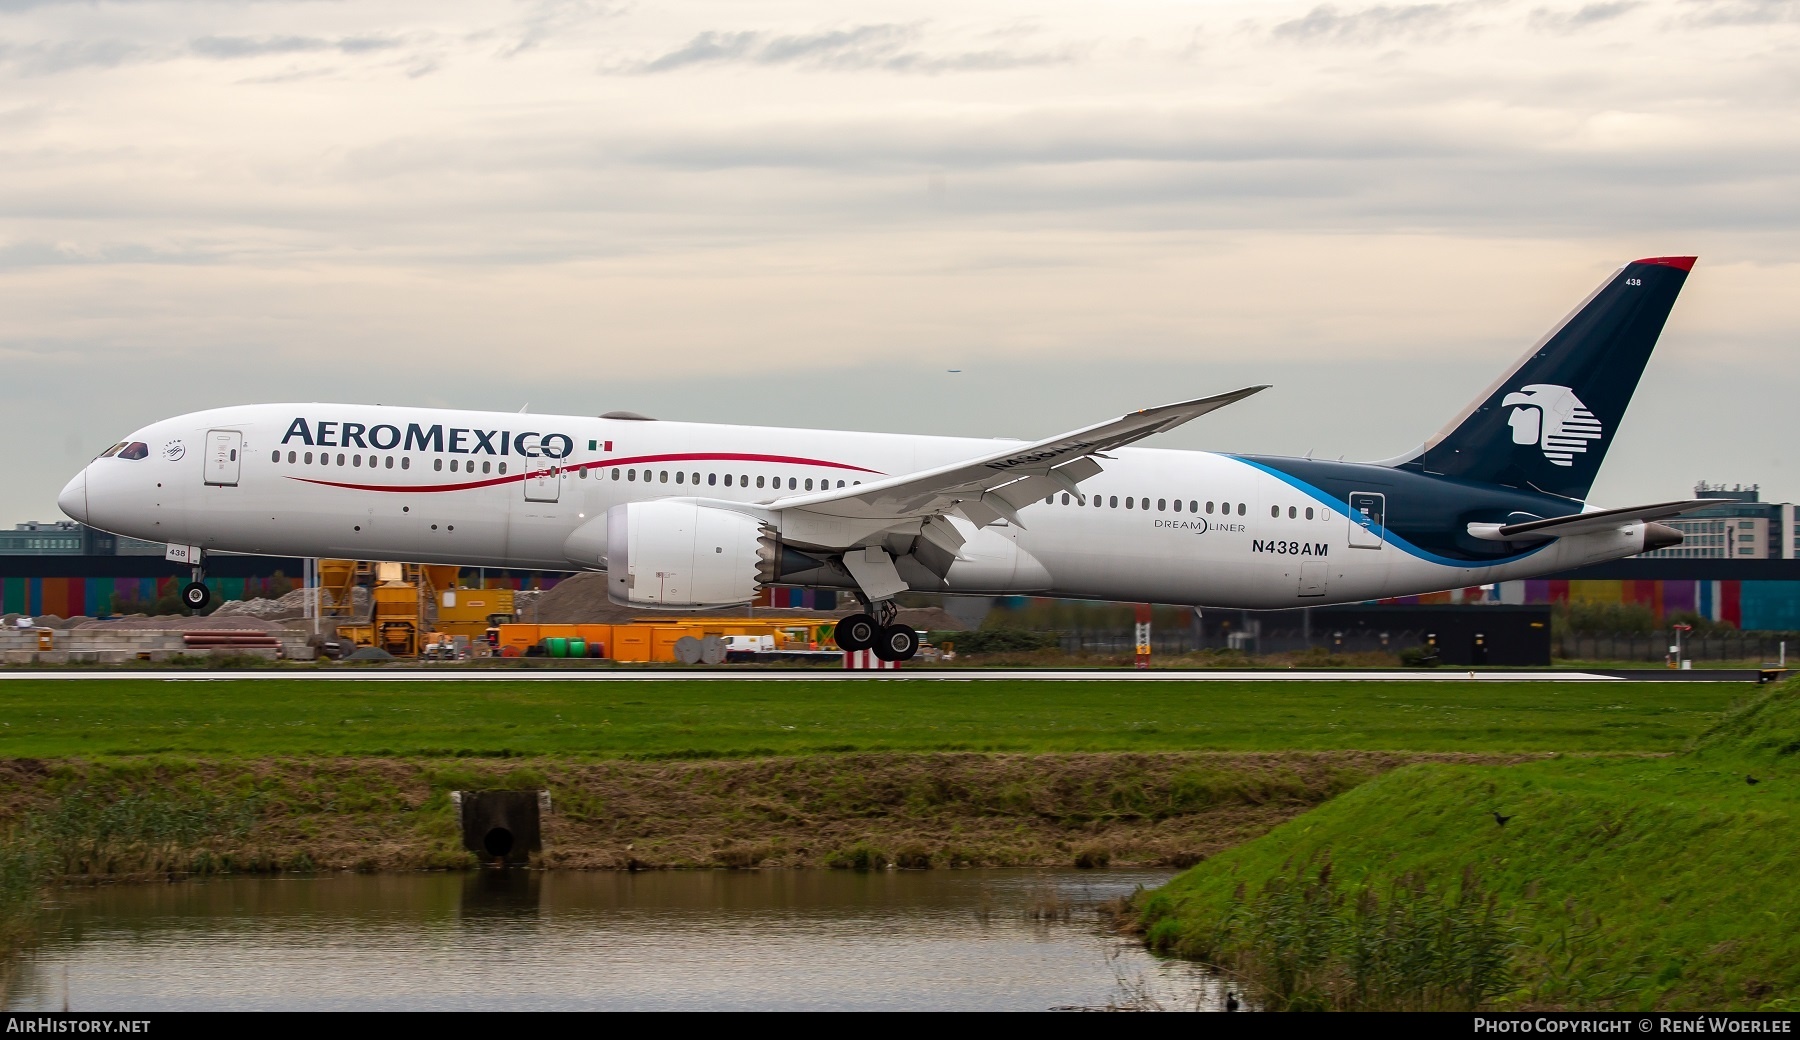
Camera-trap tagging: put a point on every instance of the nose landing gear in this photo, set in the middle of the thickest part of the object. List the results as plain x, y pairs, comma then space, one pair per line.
195, 595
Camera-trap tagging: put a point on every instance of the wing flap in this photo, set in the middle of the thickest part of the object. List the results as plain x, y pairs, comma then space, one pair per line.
1040, 468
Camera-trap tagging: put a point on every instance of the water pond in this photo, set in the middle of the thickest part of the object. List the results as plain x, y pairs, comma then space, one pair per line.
787, 940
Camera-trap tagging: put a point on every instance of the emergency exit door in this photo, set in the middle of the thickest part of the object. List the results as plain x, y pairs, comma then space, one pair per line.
1368, 519
544, 484
224, 456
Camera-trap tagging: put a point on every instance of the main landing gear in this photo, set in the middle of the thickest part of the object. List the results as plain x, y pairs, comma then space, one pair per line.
879, 633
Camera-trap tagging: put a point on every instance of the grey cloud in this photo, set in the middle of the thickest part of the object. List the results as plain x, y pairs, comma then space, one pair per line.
1742, 12
888, 47
550, 19
1378, 24
230, 47
44, 254
41, 59
1546, 20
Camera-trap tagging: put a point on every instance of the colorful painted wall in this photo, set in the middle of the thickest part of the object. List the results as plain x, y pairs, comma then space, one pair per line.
93, 597
1750, 605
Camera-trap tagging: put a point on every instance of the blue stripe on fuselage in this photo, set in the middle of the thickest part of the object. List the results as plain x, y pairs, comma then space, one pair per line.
1341, 503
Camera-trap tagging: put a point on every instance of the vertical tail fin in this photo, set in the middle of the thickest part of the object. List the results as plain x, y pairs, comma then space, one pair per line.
1546, 423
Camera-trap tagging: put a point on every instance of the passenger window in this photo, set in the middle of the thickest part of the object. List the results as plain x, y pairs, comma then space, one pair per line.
712, 479
615, 473
290, 456
1162, 504
390, 462
759, 482
340, 458
727, 480
840, 483
1127, 501
1225, 507
680, 477
488, 467
1194, 507
454, 465
1178, 505
1240, 509
1209, 507
791, 484
276, 457
406, 462
1275, 511
1292, 512
503, 470
1309, 512
1065, 498
665, 476
308, 458
809, 483
696, 479
1115, 501
437, 464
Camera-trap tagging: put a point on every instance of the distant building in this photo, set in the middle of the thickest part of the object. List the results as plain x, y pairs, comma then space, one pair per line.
68, 538
1740, 527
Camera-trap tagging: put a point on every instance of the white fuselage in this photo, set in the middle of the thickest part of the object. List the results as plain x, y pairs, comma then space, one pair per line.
499, 489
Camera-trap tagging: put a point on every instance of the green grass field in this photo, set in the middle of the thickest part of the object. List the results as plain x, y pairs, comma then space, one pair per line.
275, 716
1630, 883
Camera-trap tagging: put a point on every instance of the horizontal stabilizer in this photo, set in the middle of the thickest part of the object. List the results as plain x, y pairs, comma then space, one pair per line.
1584, 523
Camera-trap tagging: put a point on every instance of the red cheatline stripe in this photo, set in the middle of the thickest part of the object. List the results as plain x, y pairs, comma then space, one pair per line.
636, 460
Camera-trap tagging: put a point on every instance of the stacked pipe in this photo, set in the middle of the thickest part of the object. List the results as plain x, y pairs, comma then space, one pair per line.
230, 640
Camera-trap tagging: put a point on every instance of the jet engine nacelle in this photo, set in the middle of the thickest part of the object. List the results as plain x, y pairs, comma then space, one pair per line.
679, 554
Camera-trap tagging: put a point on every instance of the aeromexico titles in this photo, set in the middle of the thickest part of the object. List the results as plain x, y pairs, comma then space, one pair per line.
684, 515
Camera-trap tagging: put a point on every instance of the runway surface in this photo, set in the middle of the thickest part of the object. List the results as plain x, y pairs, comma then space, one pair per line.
816, 675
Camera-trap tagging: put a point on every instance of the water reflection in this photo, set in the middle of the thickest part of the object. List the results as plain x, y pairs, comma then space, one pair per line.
592, 941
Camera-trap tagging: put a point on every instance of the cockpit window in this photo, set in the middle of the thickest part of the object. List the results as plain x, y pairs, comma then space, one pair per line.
114, 450
135, 450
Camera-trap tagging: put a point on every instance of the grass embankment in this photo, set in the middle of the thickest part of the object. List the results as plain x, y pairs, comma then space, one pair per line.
1649, 883
94, 719
160, 816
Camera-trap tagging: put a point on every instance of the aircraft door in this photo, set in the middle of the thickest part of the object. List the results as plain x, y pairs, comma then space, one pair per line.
1368, 519
224, 457
544, 484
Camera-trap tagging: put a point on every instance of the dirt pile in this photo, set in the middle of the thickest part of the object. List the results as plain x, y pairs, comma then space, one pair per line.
291, 607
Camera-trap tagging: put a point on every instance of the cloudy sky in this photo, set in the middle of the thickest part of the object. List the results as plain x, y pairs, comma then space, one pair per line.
805, 213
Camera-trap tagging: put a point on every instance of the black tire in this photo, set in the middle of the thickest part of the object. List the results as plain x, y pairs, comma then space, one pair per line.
856, 632
897, 643
195, 596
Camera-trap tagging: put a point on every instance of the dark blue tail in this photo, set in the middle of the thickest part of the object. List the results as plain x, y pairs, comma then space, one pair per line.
1547, 423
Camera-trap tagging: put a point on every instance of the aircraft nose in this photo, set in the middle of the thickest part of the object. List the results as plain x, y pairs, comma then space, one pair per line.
73, 499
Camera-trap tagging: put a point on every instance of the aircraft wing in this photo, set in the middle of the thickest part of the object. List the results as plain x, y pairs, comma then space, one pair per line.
991, 487
1585, 523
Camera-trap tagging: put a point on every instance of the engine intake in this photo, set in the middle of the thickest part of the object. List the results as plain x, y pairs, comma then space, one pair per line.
674, 554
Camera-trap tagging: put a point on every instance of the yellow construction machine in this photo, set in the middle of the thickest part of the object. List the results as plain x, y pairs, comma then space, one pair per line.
398, 595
